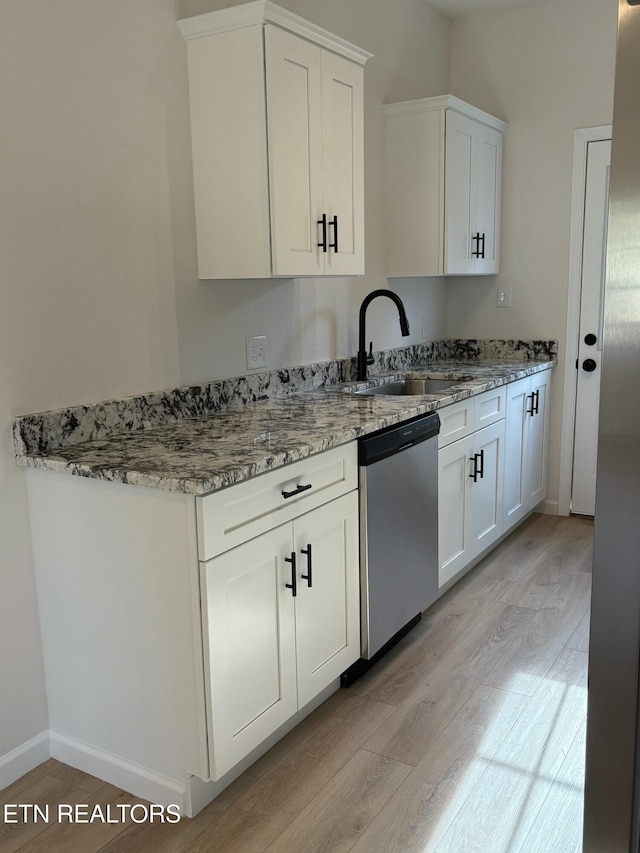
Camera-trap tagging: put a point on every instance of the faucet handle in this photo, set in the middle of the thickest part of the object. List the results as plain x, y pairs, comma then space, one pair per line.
370, 358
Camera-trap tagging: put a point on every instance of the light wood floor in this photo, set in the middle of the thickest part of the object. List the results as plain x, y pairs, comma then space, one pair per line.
468, 736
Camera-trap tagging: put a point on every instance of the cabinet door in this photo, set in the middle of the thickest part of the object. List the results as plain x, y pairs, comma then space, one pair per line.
294, 123
536, 449
488, 198
485, 490
327, 604
249, 627
343, 164
454, 467
516, 423
460, 193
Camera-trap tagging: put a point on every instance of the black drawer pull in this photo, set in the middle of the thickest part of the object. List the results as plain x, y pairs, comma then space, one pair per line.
308, 577
293, 586
296, 491
531, 397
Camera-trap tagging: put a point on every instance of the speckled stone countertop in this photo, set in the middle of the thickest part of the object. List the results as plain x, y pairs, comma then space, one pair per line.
199, 454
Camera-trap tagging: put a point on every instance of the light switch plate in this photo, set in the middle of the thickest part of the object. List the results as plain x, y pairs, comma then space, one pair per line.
256, 352
425, 327
504, 296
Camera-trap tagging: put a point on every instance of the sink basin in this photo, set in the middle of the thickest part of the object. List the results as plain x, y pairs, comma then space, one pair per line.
405, 387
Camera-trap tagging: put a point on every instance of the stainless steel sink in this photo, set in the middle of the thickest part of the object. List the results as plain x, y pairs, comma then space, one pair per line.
406, 387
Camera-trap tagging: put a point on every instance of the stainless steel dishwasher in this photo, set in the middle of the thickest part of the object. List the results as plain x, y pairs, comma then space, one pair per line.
398, 469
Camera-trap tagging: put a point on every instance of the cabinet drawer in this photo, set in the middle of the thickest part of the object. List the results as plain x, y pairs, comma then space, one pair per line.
238, 513
467, 416
456, 421
489, 407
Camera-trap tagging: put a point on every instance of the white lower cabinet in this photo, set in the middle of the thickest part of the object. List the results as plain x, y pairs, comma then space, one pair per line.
327, 604
281, 622
492, 464
526, 446
469, 498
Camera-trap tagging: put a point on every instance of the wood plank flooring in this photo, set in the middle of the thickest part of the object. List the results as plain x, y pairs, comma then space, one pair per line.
468, 736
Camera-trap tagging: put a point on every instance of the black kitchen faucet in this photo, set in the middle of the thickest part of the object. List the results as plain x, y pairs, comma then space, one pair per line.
365, 359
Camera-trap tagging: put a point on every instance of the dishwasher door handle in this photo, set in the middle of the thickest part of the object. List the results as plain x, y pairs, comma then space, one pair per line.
407, 445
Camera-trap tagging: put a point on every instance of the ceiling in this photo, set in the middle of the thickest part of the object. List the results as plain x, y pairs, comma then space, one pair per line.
459, 8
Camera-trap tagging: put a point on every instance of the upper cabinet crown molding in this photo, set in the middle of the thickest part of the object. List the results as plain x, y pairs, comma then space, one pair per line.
442, 188
266, 12
445, 102
277, 132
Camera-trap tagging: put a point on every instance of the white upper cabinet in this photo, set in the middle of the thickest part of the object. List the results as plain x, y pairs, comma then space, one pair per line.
278, 150
443, 188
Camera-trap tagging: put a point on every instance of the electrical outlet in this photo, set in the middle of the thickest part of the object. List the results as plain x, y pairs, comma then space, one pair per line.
504, 296
256, 352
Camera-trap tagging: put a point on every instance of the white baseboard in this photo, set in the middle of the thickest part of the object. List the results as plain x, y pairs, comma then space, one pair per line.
137, 780
190, 794
23, 758
549, 507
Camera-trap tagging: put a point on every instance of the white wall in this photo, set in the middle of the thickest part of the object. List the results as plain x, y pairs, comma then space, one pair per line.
90, 92
98, 289
547, 68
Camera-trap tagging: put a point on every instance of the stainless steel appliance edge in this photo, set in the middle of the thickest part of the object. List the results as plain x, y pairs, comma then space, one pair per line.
611, 790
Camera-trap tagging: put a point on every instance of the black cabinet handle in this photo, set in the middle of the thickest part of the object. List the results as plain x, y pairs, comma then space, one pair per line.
334, 222
589, 365
478, 469
536, 405
590, 339
479, 240
530, 398
323, 244
293, 586
308, 577
296, 491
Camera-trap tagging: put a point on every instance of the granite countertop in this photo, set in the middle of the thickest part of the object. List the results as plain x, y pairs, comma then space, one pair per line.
197, 455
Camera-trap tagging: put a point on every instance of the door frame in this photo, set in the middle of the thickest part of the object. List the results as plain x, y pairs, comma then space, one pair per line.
581, 139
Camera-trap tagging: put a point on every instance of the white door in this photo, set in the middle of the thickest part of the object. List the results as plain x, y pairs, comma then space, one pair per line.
294, 124
515, 498
536, 440
250, 665
455, 463
327, 601
343, 164
590, 340
487, 223
485, 488
460, 192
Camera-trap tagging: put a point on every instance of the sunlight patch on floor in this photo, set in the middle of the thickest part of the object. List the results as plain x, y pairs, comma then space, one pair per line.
523, 791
